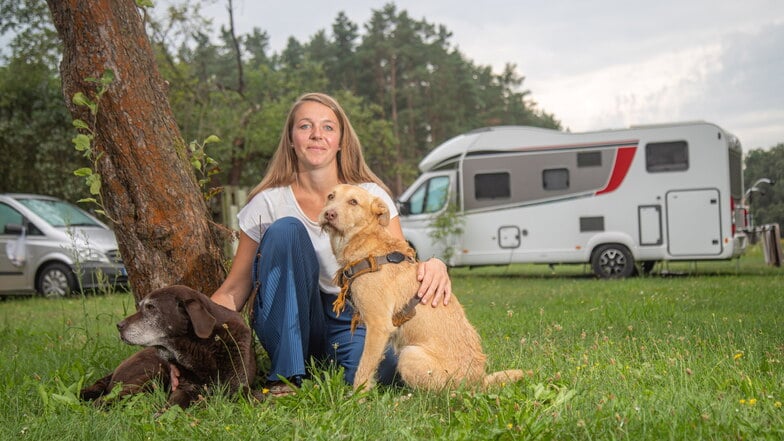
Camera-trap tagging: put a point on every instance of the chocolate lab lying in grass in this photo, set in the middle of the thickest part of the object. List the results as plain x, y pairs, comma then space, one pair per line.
437, 347
190, 340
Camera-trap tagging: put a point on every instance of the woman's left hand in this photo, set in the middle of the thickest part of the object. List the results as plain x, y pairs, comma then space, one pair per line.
435, 286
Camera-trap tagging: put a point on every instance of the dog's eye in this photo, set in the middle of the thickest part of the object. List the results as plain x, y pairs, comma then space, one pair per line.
149, 306
330, 196
352, 202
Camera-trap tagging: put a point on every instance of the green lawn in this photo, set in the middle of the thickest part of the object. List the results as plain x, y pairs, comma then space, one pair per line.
694, 354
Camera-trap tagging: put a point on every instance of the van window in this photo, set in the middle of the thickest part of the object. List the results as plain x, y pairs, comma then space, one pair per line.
431, 196
492, 186
555, 179
667, 156
9, 216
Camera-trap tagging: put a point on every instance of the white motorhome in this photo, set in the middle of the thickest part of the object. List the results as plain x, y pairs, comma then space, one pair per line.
620, 200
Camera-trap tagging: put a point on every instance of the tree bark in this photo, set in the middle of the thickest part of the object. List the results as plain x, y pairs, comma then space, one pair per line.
148, 188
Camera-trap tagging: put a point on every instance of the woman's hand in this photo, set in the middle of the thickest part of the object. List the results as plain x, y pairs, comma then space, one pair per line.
435, 286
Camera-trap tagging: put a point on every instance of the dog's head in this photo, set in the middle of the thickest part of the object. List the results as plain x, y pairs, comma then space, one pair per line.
350, 208
166, 313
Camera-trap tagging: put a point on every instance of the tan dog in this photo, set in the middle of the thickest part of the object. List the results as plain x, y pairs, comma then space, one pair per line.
437, 347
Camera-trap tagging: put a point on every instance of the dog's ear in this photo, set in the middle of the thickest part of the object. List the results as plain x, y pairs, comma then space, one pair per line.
381, 211
203, 322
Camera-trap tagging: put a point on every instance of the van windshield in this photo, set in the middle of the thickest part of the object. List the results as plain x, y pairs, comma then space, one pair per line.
59, 213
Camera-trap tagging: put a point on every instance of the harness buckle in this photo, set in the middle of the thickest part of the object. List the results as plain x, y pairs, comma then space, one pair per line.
395, 257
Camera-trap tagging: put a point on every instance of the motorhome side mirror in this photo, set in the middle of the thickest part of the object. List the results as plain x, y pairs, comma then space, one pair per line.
13, 229
404, 207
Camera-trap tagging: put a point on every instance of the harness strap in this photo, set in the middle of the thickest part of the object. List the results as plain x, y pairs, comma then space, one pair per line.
370, 264
407, 313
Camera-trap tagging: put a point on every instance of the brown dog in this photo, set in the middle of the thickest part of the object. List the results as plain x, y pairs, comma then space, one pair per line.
437, 347
189, 339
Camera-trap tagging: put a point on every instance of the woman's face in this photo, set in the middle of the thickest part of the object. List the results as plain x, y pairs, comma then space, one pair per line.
315, 135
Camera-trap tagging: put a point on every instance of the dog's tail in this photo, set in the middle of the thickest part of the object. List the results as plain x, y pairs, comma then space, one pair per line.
503, 377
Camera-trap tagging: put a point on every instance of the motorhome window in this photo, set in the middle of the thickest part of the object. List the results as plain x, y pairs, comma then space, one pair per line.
492, 186
667, 156
594, 223
451, 165
589, 159
430, 197
555, 179
736, 174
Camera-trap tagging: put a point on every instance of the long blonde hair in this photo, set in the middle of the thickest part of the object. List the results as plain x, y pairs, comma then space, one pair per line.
352, 169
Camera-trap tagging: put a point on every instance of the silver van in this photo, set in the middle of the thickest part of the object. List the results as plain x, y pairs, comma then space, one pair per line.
52, 247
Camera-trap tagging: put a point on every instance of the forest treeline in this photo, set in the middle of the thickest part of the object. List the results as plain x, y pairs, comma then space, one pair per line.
404, 84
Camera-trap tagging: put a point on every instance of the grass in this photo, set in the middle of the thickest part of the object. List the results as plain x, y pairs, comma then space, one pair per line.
696, 354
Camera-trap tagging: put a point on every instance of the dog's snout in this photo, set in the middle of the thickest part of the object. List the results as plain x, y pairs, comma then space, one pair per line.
331, 214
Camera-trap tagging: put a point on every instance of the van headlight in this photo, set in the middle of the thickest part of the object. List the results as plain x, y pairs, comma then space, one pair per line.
90, 255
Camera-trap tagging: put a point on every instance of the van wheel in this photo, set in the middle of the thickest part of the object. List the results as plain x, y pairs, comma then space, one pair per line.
55, 280
612, 261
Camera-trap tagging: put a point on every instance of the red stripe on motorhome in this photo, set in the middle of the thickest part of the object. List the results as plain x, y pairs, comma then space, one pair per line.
623, 160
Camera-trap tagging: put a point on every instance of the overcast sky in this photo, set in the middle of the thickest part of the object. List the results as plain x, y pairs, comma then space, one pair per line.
595, 64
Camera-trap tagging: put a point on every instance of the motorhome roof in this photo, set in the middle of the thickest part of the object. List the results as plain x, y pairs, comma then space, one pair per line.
500, 137
509, 138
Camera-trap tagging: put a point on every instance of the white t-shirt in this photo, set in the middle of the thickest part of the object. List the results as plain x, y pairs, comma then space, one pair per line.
275, 203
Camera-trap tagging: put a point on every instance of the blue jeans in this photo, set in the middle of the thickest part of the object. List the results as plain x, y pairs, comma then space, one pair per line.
293, 318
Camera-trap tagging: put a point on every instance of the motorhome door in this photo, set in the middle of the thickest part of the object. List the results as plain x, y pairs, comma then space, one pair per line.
694, 222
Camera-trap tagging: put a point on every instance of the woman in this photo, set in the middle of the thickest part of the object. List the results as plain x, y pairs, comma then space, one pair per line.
284, 255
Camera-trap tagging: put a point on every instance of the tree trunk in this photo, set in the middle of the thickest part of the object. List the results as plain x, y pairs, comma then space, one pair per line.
148, 186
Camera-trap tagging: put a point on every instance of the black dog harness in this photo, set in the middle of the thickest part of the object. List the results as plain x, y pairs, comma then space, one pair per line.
371, 264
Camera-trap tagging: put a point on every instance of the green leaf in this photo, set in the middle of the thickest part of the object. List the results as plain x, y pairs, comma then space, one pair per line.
65, 399
81, 142
87, 201
81, 99
79, 124
211, 138
94, 181
108, 75
84, 172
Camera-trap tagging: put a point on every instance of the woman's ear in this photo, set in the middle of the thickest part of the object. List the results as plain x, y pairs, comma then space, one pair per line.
381, 211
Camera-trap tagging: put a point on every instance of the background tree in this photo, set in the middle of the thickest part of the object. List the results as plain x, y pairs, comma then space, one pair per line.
149, 189
35, 128
35, 132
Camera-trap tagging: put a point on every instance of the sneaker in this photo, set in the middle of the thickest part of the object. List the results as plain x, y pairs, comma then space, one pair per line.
280, 388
